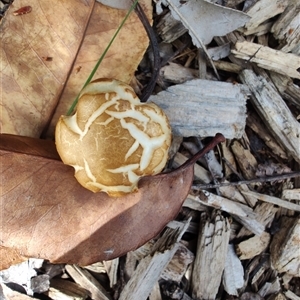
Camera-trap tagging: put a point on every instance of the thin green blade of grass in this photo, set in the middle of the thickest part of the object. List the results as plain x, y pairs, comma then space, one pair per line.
102, 56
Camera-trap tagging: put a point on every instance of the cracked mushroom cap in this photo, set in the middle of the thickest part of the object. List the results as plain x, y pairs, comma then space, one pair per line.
113, 139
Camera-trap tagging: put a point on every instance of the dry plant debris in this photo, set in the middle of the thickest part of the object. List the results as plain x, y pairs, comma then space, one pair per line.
237, 235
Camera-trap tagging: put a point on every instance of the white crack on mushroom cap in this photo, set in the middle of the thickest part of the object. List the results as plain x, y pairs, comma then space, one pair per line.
113, 139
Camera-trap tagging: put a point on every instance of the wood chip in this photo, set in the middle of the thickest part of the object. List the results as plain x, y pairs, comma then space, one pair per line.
286, 28
66, 290
240, 212
293, 194
263, 10
211, 255
233, 278
150, 267
274, 112
203, 108
200, 173
245, 160
177, 267
274, 200
253, 246
88, 282
284, 248
291, 295
268, 58
259, 128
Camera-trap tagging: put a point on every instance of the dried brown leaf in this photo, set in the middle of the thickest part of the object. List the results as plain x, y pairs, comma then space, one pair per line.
31, 85
47, 214
47, 55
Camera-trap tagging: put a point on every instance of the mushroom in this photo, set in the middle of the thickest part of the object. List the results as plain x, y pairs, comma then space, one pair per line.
113, 139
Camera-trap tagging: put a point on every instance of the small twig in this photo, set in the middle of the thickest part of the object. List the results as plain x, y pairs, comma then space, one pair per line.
156, 57
255, 180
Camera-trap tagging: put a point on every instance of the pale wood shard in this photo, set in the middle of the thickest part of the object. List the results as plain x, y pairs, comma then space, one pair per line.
265, 214
264, 10
270, 288
229, 159
232, 192
227, 66
274, 112
243, 213
249, 199
253, 246
268, 58
291, 194
222, 203
286, 28
169, 28
203, 108
279, 296
233, 38
274, 200
219, 52
211, 255
258, 127
150, 267
83, 278
177, 267
285, 247
130, 264
176, 73
66, 290
192, 203
260, 29
287, 89
209, 159
290, 295
233, 277
260, 273
199, 172
245, 160
111, 267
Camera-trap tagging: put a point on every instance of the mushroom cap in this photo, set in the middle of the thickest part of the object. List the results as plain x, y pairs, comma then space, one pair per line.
113, 139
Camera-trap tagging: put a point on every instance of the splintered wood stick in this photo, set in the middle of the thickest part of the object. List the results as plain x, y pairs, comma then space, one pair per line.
233, 278
274, 112
88, 282
241, 212
274, 200
150, 267
211, 255
284, 248
268, 58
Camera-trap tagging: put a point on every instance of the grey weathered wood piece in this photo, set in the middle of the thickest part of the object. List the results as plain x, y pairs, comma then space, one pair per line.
213, 240
203, 108
274, 112
150, 267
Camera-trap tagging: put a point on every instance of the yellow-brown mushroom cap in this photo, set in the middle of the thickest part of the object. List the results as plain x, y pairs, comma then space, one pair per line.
113, 139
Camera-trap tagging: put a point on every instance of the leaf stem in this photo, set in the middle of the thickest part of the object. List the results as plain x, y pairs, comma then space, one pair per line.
102, 56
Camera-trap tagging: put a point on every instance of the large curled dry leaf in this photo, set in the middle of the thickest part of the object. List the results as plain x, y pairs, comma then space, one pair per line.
37, 51
47, 214
48, 53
